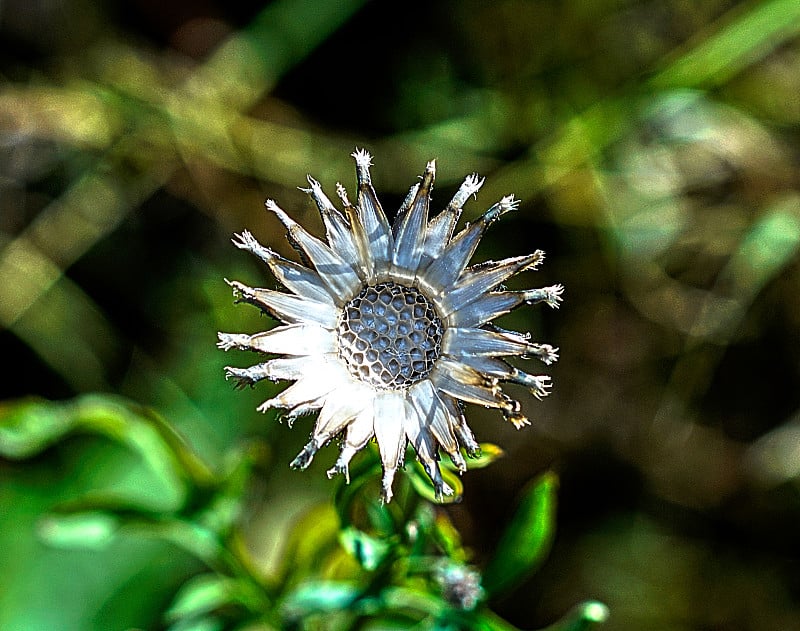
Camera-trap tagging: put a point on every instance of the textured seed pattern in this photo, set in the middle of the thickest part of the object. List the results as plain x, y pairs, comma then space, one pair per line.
389, 336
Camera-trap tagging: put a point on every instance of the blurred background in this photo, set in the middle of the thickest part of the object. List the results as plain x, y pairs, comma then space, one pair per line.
655, 147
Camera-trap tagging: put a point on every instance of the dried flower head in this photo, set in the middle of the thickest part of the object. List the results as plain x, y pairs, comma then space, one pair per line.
387, 329
460, 585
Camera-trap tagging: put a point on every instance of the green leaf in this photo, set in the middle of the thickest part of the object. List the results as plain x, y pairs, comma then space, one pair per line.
448, 537
367, 550
311, 537
489, 453
485, 620
582, 618
422, 484
190, 537
225, 505
201, 595
527, 539
749, 37
366, 470
771, 244
319, 597
95, 528
405, 599
29, 427
198, 624
92, 530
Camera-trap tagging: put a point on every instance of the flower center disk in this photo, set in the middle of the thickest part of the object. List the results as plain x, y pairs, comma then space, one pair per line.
389, 336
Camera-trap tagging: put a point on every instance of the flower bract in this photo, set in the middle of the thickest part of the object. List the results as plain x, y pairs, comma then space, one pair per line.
386, 328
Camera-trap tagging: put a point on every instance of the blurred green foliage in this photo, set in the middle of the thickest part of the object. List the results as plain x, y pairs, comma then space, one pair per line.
356, 563
654, 145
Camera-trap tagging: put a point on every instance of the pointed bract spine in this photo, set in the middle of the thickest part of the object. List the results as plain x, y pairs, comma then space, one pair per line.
441, 227
339, 275
412, 226
360, 236
297, 278
285, 307
337, 227
479, 279
443, 271
409, 198
376, 226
